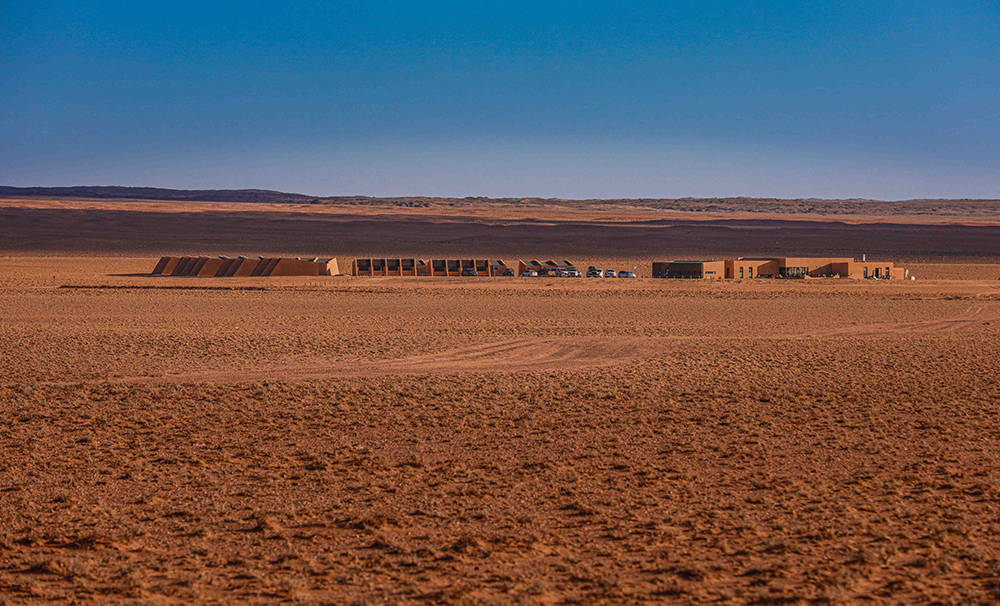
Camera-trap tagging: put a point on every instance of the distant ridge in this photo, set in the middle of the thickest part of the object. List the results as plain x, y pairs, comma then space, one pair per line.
964, 207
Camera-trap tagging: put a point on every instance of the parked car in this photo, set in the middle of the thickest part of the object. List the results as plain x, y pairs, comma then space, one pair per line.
610, 273
555, 272
572, 272
625, 274
529, 274
468, 271
593, 272
508, 273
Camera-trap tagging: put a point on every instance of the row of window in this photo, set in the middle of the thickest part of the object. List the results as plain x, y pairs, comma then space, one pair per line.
750, 273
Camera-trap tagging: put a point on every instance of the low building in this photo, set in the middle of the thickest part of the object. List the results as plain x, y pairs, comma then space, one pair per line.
779, 267
689, 269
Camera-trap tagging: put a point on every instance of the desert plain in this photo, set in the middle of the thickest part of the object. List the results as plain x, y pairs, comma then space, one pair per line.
339, 440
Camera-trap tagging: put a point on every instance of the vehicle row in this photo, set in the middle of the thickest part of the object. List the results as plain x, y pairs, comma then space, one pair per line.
596, 272
559, 272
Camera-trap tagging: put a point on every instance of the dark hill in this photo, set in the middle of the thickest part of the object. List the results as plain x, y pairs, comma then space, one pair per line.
155, 193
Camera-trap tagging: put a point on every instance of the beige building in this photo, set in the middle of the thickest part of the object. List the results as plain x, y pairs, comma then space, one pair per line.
779, 267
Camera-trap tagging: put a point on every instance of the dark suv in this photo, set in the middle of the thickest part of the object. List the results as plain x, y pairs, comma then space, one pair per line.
468, 271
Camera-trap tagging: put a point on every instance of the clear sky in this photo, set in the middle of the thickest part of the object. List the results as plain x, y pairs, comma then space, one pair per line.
878, 99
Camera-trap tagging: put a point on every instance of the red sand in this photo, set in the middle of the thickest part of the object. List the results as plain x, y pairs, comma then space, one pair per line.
511, 441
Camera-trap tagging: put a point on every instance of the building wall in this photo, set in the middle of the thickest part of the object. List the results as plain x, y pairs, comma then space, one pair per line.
689, 269
884, 270
751, 268
714, 270
245, 268
296, 267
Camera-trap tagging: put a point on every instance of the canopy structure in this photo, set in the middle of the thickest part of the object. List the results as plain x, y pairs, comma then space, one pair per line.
420, 267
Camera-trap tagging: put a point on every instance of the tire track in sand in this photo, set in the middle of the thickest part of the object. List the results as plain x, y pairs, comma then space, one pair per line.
978, 315
545, 353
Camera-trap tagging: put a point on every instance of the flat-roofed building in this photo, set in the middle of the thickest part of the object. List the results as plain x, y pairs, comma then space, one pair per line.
779, 267
709, 270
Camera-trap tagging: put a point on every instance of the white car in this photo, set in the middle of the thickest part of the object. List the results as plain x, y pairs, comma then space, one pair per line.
529, 274
626, 274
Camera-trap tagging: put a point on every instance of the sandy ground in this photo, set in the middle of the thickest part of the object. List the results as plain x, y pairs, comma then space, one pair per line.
381, 441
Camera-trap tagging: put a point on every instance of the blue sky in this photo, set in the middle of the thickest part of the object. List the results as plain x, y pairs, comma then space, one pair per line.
555, 99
